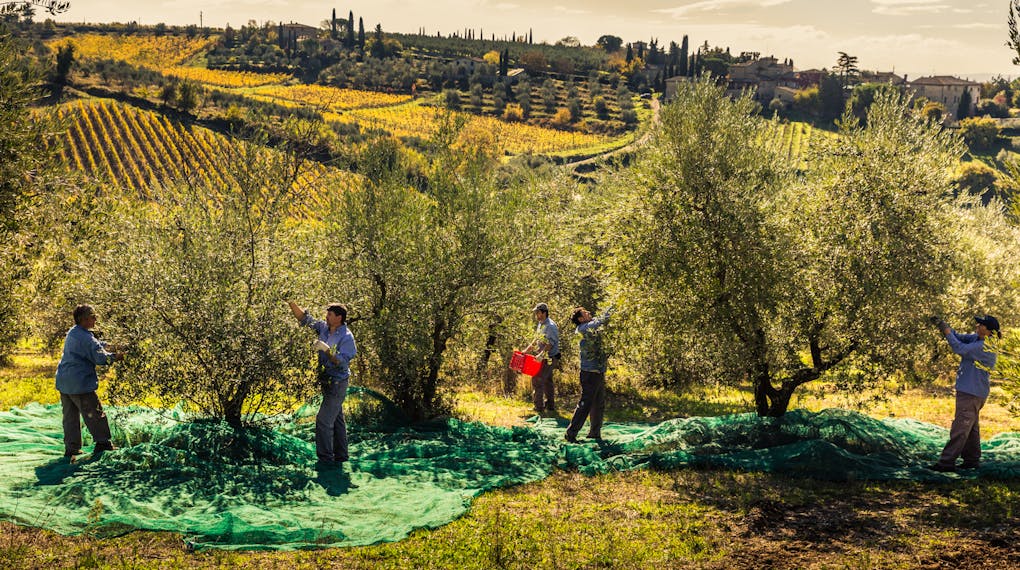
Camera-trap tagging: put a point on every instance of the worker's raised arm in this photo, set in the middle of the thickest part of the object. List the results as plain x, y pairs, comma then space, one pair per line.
299, 313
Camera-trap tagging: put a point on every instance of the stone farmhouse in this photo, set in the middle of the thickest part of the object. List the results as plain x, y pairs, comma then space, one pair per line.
764, 74
771, 79
947, 90
299, 31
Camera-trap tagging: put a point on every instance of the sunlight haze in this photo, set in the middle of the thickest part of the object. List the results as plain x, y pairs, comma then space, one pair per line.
916, 37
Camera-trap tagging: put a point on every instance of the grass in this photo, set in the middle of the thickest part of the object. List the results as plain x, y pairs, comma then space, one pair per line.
682, 519
29, 378
641, 519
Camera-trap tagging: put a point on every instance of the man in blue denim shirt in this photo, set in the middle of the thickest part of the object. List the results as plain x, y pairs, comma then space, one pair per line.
336, 349
548, 342
972, 387
77, 383
593, 375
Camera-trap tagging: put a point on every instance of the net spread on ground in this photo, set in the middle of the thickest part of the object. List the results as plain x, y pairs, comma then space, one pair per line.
261, 488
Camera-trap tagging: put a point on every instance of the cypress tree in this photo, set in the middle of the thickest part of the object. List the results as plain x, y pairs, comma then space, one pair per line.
349, 39
684, 49
361, 33
963, 110
332, 25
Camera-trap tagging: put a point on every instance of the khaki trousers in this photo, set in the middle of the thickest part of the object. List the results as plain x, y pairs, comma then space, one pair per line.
542, 384
77, 407
965, 433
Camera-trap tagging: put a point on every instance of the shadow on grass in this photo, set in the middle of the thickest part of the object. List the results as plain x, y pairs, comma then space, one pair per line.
655, 407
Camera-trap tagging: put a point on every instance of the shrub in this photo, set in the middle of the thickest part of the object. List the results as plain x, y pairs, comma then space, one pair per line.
513, 113
977, 178
452, 99
562, 117
989, 108
980, 133
933, 111
776, 105
806, 101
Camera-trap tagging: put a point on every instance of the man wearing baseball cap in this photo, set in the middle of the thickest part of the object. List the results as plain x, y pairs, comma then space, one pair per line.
972, 387
547, 345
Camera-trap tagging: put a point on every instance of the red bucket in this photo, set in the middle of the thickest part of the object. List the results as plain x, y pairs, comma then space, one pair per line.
525, 363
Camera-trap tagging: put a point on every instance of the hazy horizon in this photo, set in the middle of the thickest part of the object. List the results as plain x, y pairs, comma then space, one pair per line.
915, 37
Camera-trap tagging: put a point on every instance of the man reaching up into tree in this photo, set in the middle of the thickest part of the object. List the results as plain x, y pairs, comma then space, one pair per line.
972, 387
593, 375
77, 383
336, 350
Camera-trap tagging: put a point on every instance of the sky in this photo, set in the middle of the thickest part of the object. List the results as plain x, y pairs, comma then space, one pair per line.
965, 38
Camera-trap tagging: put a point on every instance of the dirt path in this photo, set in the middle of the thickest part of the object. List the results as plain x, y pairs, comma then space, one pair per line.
583, 167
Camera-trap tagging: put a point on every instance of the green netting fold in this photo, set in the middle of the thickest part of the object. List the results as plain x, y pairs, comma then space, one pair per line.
260, 488
832, 444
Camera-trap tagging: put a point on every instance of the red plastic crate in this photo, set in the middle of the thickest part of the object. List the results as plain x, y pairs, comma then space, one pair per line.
517, 361
525, 363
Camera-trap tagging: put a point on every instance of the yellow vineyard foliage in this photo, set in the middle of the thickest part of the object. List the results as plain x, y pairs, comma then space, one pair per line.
331, 98
137, 150
230, 79
155, 52
508, 138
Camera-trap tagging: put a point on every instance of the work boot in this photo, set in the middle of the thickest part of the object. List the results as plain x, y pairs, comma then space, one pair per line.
970, 465
943, 468
104, 446
571, 438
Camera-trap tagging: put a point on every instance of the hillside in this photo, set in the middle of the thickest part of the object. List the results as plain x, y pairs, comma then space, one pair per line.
191, 76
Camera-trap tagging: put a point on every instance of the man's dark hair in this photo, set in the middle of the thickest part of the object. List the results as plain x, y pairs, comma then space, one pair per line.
82, 311
576, 317
338, 309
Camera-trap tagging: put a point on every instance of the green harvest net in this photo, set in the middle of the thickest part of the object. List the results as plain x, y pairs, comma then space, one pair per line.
259, 489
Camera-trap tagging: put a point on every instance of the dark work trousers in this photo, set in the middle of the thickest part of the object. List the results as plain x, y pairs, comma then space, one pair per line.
77, 407
593, 401
542, 384
965, 433
330, 424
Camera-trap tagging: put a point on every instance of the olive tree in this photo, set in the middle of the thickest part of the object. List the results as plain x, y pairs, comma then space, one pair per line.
419, 264
23, 173
875, 251
194, 285
739, 271
700, 260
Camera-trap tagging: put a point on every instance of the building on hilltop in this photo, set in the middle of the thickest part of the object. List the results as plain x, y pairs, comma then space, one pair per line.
809, 77
884, 77
763, 75
673, 85
947, 90
299, 31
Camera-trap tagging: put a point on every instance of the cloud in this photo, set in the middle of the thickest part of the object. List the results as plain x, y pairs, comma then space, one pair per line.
703, 6
909, 7
569, 11
979, 26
